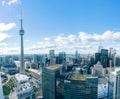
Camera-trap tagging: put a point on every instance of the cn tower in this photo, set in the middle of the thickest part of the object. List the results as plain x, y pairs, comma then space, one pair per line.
21, 32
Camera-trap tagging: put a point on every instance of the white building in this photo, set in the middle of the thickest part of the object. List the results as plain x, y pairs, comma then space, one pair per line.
27, 64
102, 88
114, 84
24, 89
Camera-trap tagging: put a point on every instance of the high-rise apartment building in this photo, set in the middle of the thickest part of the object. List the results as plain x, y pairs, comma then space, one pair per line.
51, 83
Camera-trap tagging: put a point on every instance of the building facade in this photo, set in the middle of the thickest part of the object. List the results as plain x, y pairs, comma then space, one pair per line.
51, 82
114, 84
81, 87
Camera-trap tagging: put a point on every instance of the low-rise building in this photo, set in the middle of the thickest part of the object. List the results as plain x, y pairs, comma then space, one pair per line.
9, 68
24, 89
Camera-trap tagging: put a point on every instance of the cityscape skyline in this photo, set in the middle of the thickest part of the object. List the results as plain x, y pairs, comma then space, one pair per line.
60, 25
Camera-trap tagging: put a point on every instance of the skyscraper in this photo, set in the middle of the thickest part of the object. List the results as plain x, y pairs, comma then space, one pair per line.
61, 57
35, 58
114, 84
104, 57
97, 57
52, 86
52, 57
21, 32
51, 53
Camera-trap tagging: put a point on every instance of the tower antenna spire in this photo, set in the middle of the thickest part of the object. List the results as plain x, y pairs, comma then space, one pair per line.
21, 16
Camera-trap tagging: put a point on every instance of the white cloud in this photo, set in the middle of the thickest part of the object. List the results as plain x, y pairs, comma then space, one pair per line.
3, 44
107, 36
4, 49
84, 37
12, 2
3, 2
61, 40
4, 36
116, 36
15, 49
72, 38
47, 38
6, 27
9, 2
83, 42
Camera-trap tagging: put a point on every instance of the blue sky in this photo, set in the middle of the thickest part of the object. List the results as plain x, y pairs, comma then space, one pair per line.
63, 25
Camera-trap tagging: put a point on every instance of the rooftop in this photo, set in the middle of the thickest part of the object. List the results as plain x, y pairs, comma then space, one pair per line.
116, 71
102, 81
17, 63
21, 78
79, 77
35, 71
9, 65
24, 88
54, 67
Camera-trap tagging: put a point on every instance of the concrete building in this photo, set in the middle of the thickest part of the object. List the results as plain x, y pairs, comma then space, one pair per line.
51, 82
35, 73
98, 70
20, 78
114, 84
79, 86
25, 91
27, 64
102, 88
